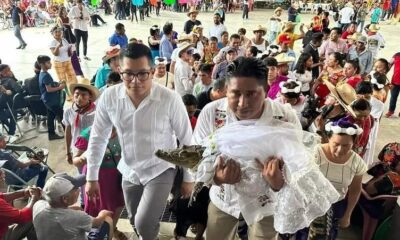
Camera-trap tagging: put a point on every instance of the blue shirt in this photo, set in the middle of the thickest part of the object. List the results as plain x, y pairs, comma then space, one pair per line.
102, 75
116, 39
49, 98
166, 48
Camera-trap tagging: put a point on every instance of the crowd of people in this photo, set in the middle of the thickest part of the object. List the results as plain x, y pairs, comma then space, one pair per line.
183, 89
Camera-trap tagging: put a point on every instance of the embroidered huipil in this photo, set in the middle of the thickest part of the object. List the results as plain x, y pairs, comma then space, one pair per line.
156, 123
215, 115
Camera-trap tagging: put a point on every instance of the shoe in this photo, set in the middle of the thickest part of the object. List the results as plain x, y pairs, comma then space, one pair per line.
19, 47
86, 58
54, 137
24, 46
389, 114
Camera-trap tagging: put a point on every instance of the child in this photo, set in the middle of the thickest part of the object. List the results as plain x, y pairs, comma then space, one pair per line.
80, 115
51, 95
57, 218
190, 102
290, 93
211, 50
275, 25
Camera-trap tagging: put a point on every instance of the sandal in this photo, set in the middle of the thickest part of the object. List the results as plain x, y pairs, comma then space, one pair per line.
119, 235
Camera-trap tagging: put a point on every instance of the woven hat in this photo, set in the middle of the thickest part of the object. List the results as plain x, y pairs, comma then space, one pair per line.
184, 46
373, 28
354, 36
278, 9
362, 39
192, 10
344, 93
196, 28
283, 58
260, 28
85, 83
184, 37
289, 26
112, 52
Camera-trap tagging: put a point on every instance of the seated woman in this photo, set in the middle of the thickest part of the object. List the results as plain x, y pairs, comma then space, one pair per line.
25, 170
344, 169
42, 13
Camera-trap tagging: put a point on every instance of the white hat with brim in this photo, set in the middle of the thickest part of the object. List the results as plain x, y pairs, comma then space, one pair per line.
184, 46
260, 28
192, 10
344, 94
85, 83
282, 58
60, 184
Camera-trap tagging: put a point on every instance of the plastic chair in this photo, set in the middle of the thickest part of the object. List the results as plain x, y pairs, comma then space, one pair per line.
20, 152
37, 108
10, 174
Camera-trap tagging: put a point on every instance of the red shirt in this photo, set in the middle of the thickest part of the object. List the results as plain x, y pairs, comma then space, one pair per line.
386, 5
362, 140
193, 121
396, 69
346, 34
354, 80
10, 215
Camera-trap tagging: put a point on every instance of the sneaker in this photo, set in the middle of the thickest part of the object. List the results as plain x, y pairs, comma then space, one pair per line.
55, 137
24, 46
20, 46
389, 114
86, 58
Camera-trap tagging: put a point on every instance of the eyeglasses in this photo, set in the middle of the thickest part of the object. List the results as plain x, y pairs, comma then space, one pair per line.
140, 76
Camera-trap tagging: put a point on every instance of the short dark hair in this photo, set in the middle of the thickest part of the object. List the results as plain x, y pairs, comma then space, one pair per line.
338, 30
361, 104
224, 32
248, 67
189, 100
270, 62
196, 56
135, 51
355, 63
167, 28
364, 87
326, 31
234, 36
326, 14
119, 26
113, 78
3, 66
242, 30
42, 59
206, 68
213, 39
317, 37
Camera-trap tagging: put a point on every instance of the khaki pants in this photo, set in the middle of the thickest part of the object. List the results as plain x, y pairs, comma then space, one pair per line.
222, 226
65, 72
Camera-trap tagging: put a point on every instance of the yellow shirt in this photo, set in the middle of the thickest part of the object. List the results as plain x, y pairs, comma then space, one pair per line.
293, 37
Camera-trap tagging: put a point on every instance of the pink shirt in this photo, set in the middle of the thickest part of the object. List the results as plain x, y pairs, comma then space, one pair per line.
329, 47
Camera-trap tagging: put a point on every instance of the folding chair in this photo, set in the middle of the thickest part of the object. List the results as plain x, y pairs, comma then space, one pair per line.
37, 108
11, 175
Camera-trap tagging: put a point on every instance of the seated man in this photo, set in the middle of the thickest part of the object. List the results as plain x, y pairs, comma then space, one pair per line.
25, 170
31, 85
17, 223
56, 218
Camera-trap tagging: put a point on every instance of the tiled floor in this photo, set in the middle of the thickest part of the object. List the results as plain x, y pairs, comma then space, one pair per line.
38, 38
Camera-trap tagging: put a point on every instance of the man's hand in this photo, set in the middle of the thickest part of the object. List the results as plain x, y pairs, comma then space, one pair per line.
92, 190
271, 172
186, 189
34, 192
227, 172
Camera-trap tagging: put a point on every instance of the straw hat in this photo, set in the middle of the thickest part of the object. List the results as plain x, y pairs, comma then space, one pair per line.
260, 28
112, 52
344, 93
278, 9
196, 28
192, 10
184, 37
85, 83
289, 26
184, 46
354, 37
283, 58
373, 28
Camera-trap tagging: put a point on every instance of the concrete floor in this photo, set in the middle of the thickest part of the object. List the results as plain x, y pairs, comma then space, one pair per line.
21, 63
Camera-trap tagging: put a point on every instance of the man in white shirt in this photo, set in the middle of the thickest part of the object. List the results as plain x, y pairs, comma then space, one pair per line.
80, 18
184, 78
246, 99
218, 28
147, 117
206, 81
346, 15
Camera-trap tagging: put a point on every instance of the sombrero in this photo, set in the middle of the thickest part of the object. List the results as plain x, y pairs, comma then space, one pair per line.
184, 37
289, 25
184, 46
260, 28
354, 36
192, 10
112, 52
373, 28
283, 58
85, 83
344, 93
278, 9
